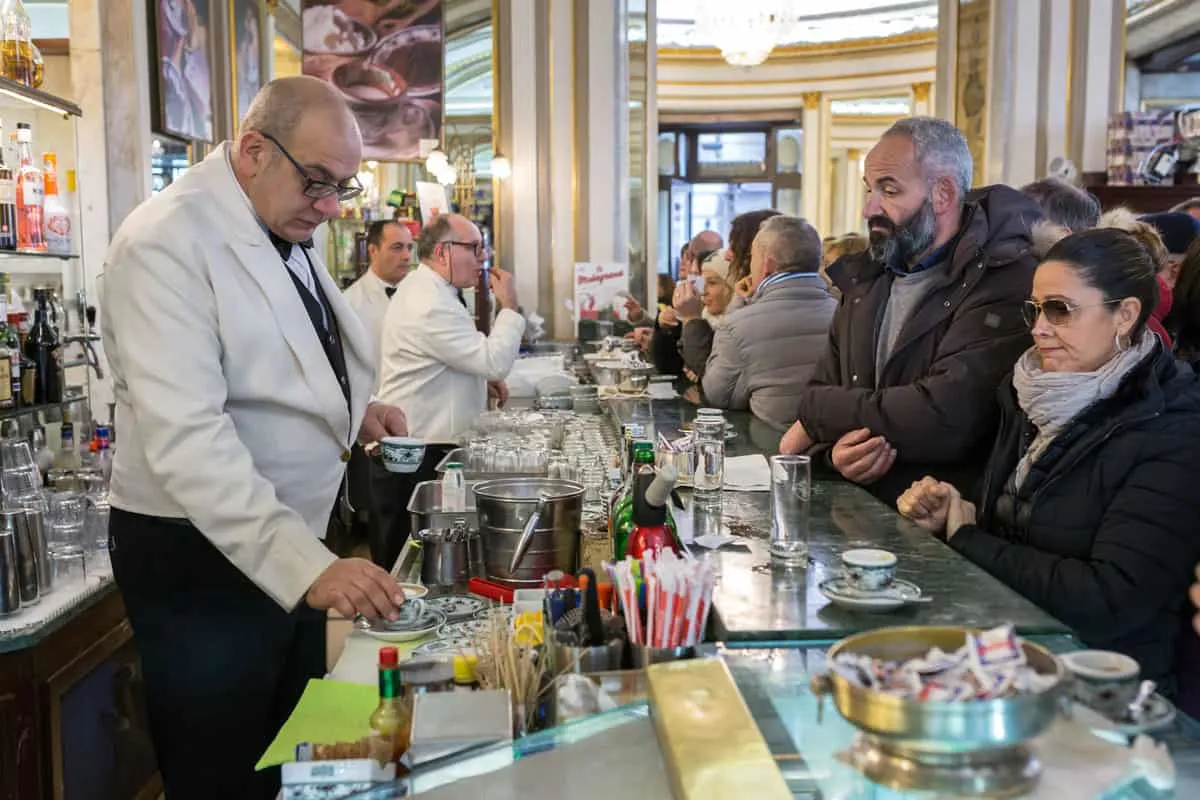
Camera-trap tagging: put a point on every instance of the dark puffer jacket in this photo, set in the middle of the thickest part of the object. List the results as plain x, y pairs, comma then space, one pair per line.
1105, 532
934, 398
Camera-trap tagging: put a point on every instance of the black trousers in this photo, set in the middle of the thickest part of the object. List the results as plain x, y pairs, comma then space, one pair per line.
390, 524
223, 664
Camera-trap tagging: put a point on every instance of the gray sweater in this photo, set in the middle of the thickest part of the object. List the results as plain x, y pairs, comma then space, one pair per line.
764, 354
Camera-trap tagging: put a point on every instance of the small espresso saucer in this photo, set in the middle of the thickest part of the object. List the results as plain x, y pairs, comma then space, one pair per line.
1157, 713
898, 594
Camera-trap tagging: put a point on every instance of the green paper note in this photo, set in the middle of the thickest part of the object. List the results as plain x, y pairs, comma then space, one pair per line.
328, 712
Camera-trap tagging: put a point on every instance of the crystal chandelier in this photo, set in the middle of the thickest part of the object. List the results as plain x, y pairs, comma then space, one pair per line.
746, 31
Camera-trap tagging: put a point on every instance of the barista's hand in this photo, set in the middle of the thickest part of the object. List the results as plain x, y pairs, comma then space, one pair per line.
667, 318
498, 390
382, 420
795, 441
686, 302
356, 586
504, 288
861, 457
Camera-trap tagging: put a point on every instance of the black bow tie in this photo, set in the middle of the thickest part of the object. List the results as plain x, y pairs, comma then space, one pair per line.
284, 247
389, 291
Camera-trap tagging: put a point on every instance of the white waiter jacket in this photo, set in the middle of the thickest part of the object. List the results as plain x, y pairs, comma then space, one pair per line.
368, 297
230, 414
436, 365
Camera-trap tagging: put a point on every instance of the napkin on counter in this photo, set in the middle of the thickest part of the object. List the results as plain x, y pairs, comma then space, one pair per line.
747, 474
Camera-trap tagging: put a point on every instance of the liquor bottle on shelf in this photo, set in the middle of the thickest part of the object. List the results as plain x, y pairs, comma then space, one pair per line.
31, 191
68, 456
8, 202
8, 359
16, 53
41, 347
57, 215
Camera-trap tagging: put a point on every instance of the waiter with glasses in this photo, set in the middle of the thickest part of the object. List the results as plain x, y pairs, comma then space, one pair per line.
242, 378
436, 365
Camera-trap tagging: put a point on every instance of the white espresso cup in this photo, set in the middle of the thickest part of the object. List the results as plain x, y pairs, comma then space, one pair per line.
868, 569
1103, 680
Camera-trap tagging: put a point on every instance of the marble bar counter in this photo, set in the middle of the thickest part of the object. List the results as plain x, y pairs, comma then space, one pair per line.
757, 603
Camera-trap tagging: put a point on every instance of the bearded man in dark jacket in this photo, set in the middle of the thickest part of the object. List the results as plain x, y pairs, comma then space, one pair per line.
929, 320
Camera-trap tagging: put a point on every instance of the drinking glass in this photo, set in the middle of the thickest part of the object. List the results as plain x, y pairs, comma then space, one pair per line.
791, 487
70, 568
709, 474
16, 455
477, 455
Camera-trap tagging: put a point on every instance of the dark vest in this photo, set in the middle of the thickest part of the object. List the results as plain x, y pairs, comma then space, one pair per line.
330, 337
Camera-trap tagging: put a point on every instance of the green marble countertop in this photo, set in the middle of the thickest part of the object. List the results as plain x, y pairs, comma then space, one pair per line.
759, 604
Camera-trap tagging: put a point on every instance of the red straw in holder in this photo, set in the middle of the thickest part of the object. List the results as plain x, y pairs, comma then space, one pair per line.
678, 599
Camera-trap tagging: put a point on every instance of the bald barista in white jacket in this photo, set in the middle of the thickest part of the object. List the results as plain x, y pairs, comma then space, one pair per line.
436, 365
242, 378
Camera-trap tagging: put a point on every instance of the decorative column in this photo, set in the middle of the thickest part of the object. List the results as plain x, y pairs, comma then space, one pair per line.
919, 100
813, 168
852, 222
1097, 70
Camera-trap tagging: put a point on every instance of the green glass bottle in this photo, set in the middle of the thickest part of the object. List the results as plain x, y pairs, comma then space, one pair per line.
622, 520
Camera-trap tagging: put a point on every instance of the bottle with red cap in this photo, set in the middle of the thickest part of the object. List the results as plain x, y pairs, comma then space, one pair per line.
391, 718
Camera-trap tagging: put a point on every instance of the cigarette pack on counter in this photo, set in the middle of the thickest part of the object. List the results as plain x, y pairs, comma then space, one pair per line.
333, 780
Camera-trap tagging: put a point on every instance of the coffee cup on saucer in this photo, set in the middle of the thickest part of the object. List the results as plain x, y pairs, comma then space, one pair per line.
1104, 681
868, 569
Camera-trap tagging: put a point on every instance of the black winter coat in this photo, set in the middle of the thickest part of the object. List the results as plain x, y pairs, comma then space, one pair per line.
934, 398
1104, 533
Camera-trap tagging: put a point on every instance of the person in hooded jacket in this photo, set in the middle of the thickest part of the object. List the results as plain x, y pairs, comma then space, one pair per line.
1088, 504
929, 319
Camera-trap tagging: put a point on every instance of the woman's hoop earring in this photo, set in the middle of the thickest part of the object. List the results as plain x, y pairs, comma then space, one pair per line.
1122, 344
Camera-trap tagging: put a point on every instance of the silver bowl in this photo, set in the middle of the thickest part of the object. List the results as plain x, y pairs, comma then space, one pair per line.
939, 727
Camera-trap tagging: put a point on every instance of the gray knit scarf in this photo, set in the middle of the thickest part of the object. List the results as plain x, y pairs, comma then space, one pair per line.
1051, 400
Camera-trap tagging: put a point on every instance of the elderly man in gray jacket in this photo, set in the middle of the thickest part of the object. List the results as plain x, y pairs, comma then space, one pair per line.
766, 351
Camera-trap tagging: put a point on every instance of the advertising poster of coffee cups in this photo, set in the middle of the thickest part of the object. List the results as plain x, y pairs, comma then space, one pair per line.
387, 59
184, 92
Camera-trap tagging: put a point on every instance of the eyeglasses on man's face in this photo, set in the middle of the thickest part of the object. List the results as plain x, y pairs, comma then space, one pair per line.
314, 187
477, 247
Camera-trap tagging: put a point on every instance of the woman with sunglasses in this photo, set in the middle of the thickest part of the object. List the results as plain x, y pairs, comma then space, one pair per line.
1089, 505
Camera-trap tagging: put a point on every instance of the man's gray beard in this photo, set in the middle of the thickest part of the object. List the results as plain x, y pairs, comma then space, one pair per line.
895, 250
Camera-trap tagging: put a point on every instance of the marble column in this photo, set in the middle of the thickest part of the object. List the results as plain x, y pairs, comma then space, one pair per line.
520, 130
813, 165
1097, 50
921, 99
852, 222
110, 66
947, 59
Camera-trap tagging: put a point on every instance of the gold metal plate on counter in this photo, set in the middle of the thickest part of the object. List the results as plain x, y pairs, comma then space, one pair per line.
1006, 772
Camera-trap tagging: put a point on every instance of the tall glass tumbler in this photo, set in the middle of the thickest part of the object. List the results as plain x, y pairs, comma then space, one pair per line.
709, 476
791, 489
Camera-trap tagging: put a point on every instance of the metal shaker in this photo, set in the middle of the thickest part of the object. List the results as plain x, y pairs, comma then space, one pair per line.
27, 555
10, 590
31, 522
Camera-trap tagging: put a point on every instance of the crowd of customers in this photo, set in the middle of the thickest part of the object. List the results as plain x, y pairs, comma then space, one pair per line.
1010, 368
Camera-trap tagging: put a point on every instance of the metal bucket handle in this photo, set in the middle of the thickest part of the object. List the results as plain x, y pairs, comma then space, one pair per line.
527, 533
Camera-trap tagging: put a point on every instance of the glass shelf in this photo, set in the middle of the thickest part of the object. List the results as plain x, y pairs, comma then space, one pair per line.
24, 411
25, 254
38, 98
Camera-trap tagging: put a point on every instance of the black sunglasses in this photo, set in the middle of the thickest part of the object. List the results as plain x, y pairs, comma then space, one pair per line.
1058, 312
319, 189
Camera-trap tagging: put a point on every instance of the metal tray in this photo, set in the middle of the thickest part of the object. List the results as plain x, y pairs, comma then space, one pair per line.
425, 506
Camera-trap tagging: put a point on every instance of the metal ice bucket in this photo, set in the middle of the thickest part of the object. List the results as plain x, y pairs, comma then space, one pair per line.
528, 527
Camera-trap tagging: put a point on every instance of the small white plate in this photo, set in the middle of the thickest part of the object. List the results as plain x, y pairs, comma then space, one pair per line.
429, 622
457, 607
898, 594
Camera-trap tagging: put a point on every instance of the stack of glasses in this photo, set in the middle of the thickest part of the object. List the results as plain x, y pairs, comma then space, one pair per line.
59, 535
